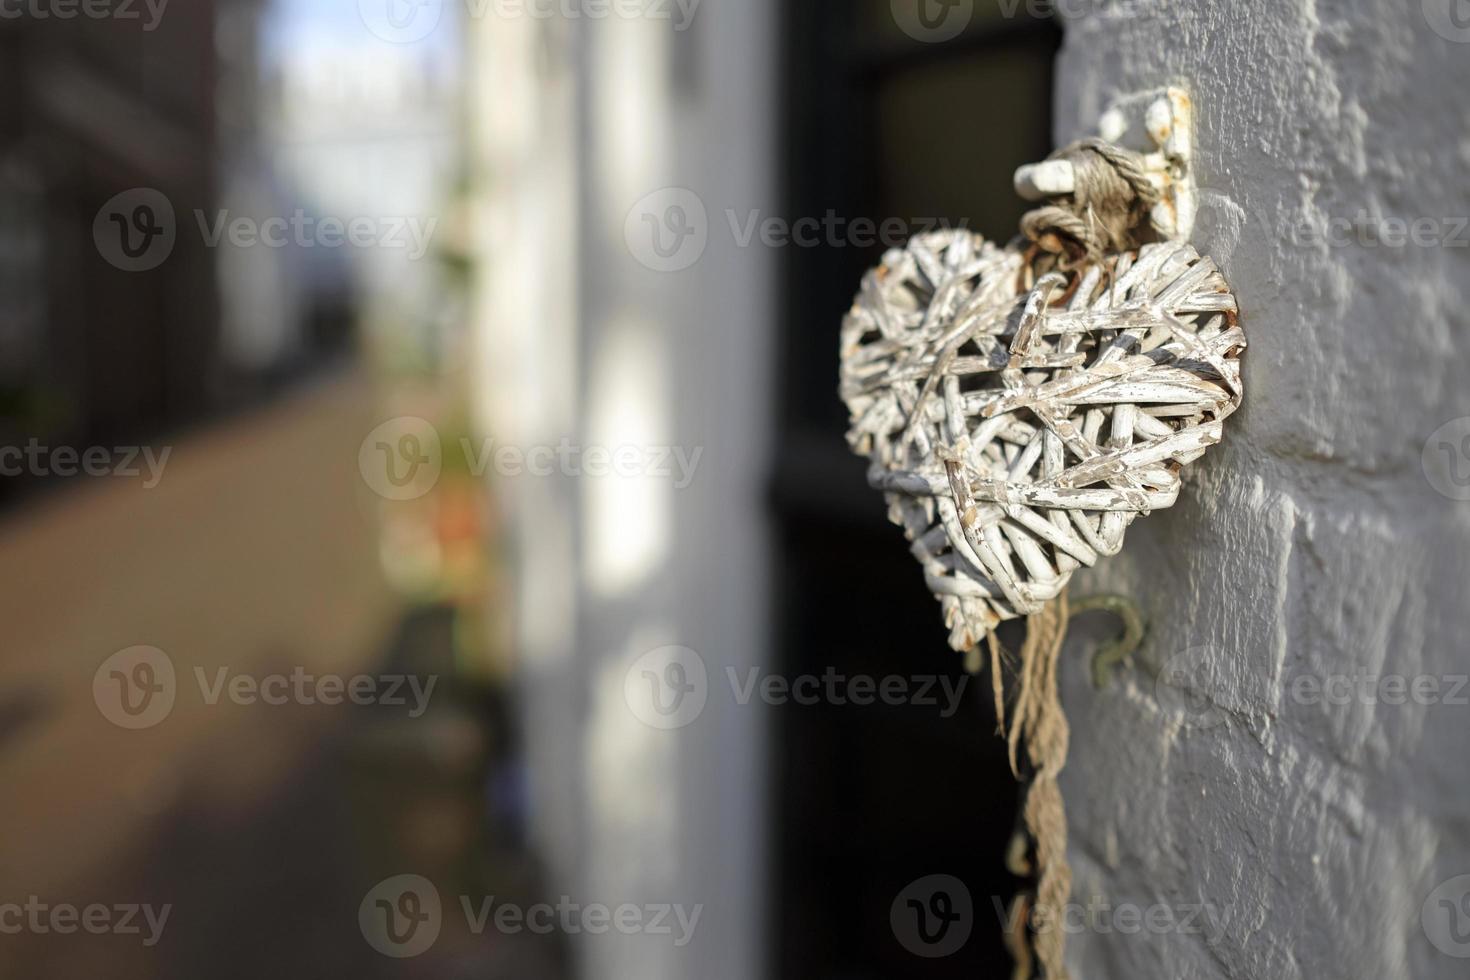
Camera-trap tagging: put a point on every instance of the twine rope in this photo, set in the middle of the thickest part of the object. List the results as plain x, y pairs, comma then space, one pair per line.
1040, 720
1111, 198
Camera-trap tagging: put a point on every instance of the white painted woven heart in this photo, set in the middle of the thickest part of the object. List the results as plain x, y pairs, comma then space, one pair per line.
1017, 433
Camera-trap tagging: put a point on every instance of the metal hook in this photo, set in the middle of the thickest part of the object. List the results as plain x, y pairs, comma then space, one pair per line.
1117, 650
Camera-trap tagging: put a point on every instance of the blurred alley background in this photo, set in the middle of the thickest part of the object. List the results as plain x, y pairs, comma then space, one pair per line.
418, 433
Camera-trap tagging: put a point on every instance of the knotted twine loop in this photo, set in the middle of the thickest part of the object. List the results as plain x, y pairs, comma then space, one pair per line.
1111, 198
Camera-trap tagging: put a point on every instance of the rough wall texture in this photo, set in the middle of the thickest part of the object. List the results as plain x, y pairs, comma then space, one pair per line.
1314, 822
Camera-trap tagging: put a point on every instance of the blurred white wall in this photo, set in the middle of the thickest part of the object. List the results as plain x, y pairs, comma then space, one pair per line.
576, 122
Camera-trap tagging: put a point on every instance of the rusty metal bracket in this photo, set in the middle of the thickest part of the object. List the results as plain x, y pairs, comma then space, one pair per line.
1159, 124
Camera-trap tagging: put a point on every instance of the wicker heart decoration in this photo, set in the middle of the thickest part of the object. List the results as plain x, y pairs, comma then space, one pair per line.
1016, 432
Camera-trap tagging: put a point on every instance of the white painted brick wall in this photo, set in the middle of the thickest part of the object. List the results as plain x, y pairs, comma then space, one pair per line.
1311, 543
